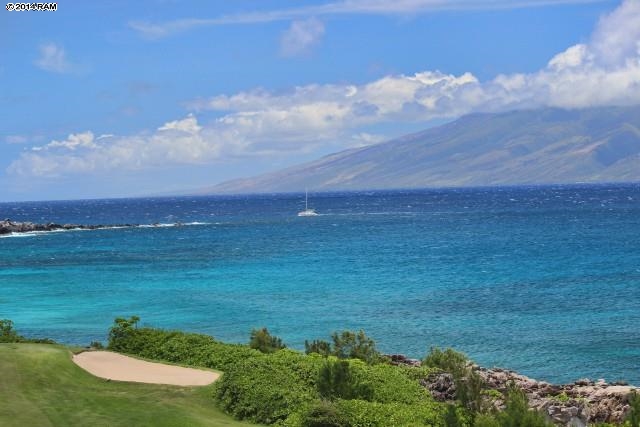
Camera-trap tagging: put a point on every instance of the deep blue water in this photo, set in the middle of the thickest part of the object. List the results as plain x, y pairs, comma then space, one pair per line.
542, 280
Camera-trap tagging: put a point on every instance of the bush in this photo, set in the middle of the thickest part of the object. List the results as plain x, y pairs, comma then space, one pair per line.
335, 380
320, 347
263, 341
323, 414
517, 413
9, 335
349, 345
452, 418
448, 360
361, 413
389, 383
346, 345
486, 420
268, 389
122, 330
175, 346
634, 414
469, 384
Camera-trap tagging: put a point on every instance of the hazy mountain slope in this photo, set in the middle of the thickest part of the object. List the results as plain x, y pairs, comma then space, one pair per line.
521, 147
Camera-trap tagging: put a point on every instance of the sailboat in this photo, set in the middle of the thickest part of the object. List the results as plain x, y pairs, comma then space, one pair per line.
307, 211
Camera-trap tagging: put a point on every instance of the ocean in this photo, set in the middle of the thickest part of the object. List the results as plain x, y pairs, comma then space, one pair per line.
542, 280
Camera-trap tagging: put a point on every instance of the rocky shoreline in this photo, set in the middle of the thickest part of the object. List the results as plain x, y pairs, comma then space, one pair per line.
8, 227
582, 403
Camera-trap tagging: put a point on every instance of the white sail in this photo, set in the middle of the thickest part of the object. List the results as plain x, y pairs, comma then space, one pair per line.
307, 211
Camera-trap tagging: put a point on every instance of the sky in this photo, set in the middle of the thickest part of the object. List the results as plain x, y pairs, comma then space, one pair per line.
124, 99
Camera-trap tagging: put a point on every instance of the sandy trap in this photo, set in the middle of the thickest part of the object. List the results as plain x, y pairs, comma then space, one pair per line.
114, 366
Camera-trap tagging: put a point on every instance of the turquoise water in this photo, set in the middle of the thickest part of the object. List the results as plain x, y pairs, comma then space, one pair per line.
542, 280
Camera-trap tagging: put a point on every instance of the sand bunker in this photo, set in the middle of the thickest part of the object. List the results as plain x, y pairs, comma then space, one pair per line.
114, 366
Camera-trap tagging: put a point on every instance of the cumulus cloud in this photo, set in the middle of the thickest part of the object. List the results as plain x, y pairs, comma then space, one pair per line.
52, 57
72, 142
603, 71
301, 37
177, 142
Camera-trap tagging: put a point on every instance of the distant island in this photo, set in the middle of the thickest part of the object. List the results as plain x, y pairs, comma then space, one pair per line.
543, 146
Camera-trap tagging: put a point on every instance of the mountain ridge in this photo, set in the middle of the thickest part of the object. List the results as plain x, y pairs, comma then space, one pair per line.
523, 147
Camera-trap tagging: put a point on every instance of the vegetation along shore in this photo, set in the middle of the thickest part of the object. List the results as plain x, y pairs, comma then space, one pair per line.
343, 381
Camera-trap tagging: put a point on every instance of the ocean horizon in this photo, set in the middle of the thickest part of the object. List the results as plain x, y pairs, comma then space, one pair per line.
544, 280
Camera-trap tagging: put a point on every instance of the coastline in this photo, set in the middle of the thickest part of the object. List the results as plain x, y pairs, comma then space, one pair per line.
580, 403
15, 228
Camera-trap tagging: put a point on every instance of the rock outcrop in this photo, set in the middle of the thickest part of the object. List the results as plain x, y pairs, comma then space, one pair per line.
7, 227
579, 404
582, 403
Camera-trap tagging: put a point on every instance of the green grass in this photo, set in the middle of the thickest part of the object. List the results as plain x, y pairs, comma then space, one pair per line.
41, 386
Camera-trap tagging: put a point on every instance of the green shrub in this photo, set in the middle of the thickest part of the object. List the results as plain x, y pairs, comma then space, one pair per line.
361, 413
350, 345
562, 397
389, 383
317, 346
9, 335
263, 341
175, 346
634, 414
417, 373
336, 381
517, 413
346, 345
323, 414
122, 330
469, 384
448, 360
486, 420
452, 417
470, 392
268, 389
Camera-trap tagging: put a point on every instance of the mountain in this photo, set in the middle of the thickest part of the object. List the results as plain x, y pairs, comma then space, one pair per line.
520, 147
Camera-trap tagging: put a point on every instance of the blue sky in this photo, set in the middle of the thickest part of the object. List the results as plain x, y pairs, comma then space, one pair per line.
113, 99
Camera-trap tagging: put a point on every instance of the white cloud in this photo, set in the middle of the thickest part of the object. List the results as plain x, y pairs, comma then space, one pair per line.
52, 57
177, 142
363, 139
154, 31
301, 37
73, 141
188, 125
259, 122
617, 36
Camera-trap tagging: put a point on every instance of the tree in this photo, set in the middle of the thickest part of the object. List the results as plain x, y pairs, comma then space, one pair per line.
469, 384
448, 360
121, 330
7, 333
346, 345
349, 345
336, 380
451, 417
321, 347
262, 340
517, 413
